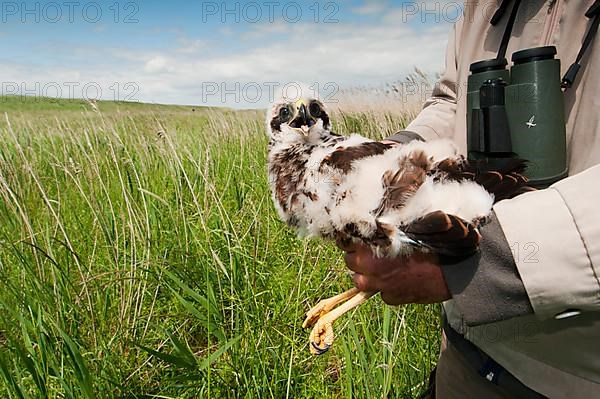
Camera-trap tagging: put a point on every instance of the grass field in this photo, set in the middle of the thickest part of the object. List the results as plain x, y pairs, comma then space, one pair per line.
141, 257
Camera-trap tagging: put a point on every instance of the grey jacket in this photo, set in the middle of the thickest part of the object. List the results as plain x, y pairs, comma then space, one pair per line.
550, 338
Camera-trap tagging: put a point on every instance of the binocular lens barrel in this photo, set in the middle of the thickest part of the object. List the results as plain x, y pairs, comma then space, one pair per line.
519, 113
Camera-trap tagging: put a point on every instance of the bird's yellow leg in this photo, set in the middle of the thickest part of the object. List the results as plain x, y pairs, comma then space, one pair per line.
325, 306
321, 336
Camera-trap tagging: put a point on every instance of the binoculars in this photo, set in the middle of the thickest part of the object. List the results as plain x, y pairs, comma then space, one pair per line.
519, 113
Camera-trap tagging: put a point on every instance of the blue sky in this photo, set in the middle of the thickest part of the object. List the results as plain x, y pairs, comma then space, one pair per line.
213, 52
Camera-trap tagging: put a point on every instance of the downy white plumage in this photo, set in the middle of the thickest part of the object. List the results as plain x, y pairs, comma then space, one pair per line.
394, 198
328, 185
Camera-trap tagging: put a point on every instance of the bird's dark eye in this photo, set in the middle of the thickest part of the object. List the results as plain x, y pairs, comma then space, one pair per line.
284, 114
314, 109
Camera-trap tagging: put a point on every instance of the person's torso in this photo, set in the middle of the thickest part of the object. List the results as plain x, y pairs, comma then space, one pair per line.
558, 358
560, 23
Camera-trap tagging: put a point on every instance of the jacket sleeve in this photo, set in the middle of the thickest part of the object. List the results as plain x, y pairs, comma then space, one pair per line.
487, 287
554, 235
437, 118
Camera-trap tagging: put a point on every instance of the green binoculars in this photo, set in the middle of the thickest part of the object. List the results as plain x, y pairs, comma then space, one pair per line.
519, 113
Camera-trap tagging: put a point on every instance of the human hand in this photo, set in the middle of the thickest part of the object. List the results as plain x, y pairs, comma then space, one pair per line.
417, 278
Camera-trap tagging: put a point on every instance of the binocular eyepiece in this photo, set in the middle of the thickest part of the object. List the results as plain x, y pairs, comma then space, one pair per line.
489, 124
519, 113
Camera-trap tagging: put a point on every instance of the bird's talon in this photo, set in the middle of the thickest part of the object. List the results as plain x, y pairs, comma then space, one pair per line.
322, 316
321, 337
317, 350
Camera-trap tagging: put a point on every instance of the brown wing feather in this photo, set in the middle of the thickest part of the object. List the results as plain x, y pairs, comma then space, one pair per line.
502, 177
342, 158
445, 234
401, 184
450, 235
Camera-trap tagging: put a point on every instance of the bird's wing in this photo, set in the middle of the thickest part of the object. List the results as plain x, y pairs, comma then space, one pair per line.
343, 158
501, 177
450, 235
445, 234
401, 184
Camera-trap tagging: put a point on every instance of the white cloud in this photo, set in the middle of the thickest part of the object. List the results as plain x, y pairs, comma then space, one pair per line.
226, 31
156, 65
345, 54
191, 46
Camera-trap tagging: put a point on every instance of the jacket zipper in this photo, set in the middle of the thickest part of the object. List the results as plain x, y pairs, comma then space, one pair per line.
553, 10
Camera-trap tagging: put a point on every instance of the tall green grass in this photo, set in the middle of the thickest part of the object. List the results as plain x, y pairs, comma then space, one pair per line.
140, 256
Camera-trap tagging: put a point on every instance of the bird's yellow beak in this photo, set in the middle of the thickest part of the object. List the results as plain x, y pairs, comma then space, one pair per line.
301, 102
302, 121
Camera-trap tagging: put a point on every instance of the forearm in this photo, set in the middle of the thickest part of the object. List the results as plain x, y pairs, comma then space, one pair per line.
487, 286
539, 254
404, 136
562, 226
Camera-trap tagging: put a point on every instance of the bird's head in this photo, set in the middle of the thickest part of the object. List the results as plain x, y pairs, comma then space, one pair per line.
299, 118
